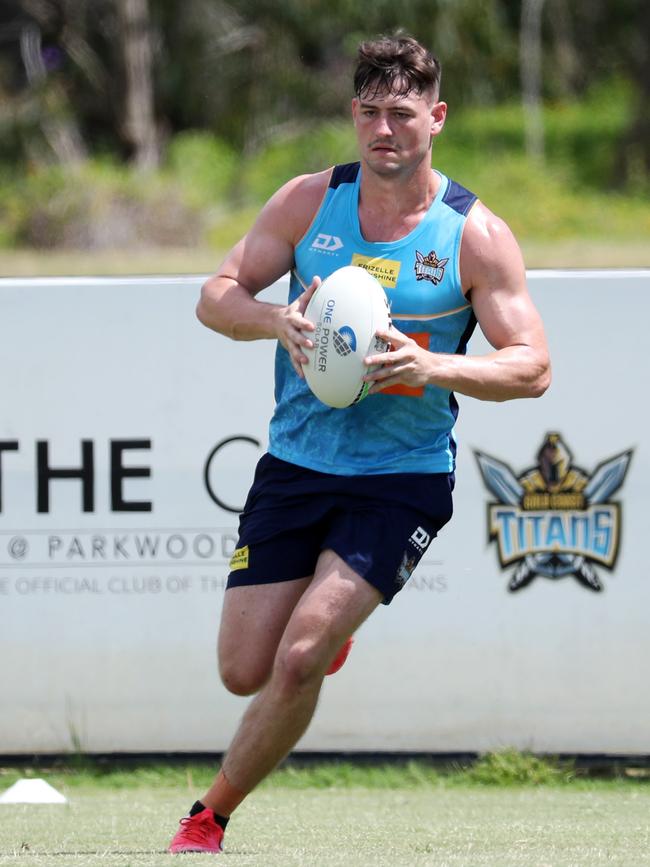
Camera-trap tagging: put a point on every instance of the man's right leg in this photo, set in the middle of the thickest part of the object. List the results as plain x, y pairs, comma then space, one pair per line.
253, 621
335, 603
332, 605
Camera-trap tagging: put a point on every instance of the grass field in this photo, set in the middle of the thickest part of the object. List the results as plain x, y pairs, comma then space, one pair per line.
337, 815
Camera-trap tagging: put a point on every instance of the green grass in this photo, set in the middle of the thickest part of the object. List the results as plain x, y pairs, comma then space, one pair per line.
505, 809
279, 827
508, 767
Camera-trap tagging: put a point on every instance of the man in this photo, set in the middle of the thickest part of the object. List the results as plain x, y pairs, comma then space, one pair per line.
346, 501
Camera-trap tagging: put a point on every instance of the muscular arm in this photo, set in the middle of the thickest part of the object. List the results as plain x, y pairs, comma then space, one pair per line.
228, 304
493, 270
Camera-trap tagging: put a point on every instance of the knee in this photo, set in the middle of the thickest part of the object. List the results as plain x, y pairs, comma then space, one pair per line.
240, 679
299, 664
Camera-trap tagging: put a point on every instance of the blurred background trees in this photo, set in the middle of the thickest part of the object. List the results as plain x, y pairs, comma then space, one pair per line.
188, 110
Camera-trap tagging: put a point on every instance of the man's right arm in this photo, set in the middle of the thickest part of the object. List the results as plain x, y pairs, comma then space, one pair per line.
228, 304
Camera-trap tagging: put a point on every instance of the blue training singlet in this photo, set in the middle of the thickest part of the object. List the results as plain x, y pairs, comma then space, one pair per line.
403, 429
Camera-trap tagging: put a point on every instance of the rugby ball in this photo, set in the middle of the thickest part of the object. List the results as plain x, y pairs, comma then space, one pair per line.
347, 309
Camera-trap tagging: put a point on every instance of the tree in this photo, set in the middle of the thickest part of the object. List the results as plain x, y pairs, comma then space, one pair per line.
530, 65
47, 96
139, 122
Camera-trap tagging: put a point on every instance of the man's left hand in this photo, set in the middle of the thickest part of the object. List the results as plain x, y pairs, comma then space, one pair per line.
404, 363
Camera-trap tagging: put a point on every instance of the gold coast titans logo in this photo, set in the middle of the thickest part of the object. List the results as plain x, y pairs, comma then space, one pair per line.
555, 519
429, 267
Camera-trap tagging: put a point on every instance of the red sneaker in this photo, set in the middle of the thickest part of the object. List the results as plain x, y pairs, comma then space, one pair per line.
341, 656
199, 833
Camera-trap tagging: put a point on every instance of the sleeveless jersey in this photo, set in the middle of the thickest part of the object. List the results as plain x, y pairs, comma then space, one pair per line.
403, 429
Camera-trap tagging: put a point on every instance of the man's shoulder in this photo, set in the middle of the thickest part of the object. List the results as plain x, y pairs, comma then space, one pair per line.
308, 188
298, 200
488, 247
485, 230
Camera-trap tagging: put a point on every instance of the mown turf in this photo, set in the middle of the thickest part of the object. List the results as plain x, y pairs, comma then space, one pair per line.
435, 820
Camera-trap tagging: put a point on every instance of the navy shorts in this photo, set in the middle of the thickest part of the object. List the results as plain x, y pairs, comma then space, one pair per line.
380, 525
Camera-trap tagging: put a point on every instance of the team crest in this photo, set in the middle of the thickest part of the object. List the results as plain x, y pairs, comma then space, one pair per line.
555, 519
429, 267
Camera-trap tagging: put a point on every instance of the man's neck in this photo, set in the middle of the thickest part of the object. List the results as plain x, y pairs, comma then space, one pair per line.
391, 206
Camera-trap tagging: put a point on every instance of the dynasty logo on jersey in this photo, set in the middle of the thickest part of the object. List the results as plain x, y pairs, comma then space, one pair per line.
555, 519
325, 243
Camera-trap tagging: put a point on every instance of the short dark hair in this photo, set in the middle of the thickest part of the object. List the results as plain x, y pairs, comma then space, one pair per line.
397, 64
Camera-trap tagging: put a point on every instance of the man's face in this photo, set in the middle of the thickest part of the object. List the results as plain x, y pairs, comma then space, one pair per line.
395, 132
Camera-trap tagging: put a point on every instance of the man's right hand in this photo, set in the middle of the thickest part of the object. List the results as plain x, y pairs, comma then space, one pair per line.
292, 325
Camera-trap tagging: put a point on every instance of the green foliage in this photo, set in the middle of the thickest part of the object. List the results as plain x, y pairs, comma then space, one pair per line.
576, 140
204, 166
310, 149
241, 70
230, 224
96, 206
579, 191
512, 768
207, 194
344, 775
502, 768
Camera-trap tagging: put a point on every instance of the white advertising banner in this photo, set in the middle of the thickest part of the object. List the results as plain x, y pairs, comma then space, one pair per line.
128, 439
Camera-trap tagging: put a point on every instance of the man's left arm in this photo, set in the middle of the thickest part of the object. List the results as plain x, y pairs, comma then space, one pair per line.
493, 272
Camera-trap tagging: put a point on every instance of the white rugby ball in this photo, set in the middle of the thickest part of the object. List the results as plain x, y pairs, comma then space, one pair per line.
347, 309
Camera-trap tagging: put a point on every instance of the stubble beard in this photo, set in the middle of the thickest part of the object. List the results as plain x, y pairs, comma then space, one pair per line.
396, 169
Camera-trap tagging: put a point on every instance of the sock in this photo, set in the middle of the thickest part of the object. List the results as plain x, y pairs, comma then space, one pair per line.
223, 797
198, 807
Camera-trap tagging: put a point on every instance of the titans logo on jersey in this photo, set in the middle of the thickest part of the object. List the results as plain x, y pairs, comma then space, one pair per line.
429, 267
